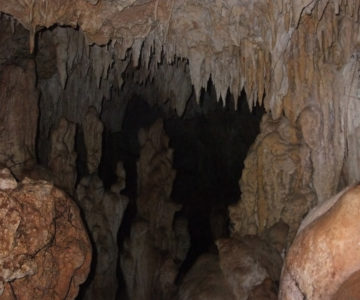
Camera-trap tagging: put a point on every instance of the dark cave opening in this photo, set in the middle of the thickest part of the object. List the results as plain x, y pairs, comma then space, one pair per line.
210, 146
209, 153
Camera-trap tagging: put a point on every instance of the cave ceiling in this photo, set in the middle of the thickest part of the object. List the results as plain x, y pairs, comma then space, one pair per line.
264, 47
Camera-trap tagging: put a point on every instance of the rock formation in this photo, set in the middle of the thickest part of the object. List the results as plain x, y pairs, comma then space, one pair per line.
299, 59
245, 268
250, 266
18, 116
323, 262
62, 156
276, 182
158, 241
278, 52
93, 130
45, 252
103, 213
205, 280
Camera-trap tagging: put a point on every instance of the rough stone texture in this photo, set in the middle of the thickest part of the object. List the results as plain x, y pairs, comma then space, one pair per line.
103, 213
288, 55
45, 252
324, 260
300, 59
62, 156
250, 266
93, 130
205, 280
158, 241
246, 268
18, 116
276, 182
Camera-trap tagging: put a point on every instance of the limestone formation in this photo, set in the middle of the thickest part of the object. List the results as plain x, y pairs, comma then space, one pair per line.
323, 262
93, 130
299, 59
158, 241
286, 55
245, 268
62, 156
205, 280
250, 266
103, 213
18, 116
45, 252
276, 182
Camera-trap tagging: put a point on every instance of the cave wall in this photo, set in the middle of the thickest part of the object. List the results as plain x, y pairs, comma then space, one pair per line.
297, 58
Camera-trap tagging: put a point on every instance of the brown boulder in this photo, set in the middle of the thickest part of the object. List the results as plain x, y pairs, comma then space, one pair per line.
44, 249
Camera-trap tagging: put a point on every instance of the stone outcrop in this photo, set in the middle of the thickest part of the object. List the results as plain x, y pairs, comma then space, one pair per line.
277, 181
246, 268
324, 262
62, 156
18, 116
158, 241
45, 252
103, 212
250, 266
205, 280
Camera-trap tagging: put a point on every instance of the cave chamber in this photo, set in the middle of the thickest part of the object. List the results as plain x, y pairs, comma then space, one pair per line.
179, 149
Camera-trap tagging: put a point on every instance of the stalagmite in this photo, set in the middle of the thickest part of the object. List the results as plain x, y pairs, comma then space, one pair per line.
103, 213
157, 244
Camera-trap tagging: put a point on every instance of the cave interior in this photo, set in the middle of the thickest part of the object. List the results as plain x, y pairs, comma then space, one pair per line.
171, 153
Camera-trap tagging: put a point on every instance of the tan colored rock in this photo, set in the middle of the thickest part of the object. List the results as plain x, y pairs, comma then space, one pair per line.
93, 130
103, 213
276, 182
62, 156
324, 261
45, 252
18, 116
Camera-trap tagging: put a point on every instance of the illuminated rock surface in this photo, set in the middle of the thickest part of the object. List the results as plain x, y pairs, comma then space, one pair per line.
45, 252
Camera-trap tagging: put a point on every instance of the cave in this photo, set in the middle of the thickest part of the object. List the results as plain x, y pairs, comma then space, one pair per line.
179, 149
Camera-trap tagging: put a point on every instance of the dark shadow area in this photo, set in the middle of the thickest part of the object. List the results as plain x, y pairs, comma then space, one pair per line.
209, 152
